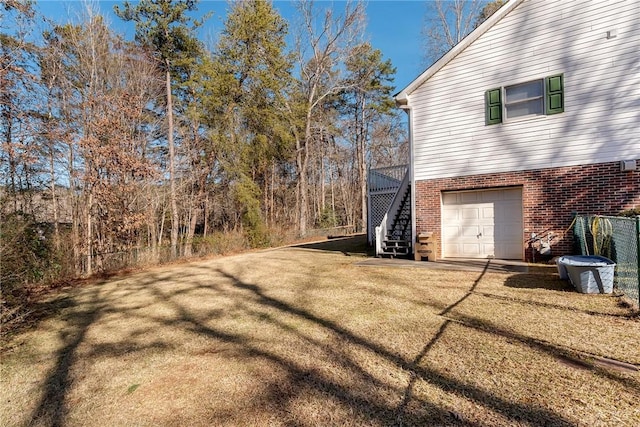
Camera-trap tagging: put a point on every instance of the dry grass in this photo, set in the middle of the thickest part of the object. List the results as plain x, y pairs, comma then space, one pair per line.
301, 336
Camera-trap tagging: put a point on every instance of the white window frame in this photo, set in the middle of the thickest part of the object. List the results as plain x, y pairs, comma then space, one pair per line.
541, 97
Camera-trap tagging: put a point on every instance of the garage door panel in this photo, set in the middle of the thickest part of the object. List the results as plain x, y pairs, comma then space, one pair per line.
470, 213
469, 197
449, 198
471, 250
455, 251
508, 230
488, 231
449, 232
481, 224
506, 250
469, 231
450, 214
514, 194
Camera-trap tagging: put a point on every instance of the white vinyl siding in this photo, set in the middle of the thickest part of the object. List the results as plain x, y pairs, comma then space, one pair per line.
537, 39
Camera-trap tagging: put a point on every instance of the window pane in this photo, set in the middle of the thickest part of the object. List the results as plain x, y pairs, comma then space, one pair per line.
523, 91
526, 108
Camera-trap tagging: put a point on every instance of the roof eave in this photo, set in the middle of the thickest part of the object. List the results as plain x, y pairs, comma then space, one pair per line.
402, 97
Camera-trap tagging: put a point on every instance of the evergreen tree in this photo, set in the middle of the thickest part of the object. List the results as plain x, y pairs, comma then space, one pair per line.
366, 102
250, 75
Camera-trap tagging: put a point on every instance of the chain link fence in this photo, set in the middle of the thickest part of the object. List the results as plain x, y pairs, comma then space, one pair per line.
617, 238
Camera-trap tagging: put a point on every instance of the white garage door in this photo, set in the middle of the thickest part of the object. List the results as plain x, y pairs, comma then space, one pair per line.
482, 224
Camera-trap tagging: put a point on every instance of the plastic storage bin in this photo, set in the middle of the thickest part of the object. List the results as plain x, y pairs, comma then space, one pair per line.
589, 274
562, 269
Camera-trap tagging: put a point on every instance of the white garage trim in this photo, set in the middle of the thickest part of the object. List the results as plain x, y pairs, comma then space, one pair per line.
482, 224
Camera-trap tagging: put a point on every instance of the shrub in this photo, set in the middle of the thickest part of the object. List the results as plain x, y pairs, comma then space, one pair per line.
220, 243
25, 254
631, 212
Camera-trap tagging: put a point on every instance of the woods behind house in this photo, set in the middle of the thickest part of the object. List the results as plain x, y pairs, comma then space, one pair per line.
117, 153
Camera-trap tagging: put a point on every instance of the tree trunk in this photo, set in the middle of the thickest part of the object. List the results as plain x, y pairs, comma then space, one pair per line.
205, 214
271, 196
362, 167
188, 244
7, 118
302, 160
153, 231
54, 201
75, 216
322, 176
89, 242
175, 220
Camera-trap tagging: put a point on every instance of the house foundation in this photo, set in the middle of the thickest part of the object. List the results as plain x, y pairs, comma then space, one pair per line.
550, 199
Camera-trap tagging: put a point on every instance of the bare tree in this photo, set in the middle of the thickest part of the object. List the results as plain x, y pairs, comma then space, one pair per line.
488, 10
166, 29
323, 44
105, 86
17, 75
447, 23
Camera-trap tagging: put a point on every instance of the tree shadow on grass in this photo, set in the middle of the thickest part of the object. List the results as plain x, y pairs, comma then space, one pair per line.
301, 381
562, 354
81, 314
548, 281
382, 412
365, 397
52, 410
552, 282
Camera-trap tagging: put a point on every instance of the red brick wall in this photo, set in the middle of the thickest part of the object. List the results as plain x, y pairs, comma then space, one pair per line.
550, 198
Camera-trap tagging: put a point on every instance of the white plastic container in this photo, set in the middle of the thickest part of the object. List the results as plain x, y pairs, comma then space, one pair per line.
589, 274
562, 269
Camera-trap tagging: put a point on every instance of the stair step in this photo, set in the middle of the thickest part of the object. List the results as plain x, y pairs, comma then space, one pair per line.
396, 251
393, 234
396, 243
398, 237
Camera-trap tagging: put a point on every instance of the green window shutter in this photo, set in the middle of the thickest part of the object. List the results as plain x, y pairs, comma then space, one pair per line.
554, 86
493, 106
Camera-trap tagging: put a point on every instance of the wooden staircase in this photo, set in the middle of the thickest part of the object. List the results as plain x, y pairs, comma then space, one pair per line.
397, 242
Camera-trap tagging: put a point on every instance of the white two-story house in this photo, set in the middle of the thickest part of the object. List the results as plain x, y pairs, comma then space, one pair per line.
533, 117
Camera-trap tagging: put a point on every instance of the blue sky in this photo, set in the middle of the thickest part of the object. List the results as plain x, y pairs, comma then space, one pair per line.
394, 27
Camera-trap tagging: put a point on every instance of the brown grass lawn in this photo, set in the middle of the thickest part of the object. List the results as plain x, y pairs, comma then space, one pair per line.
305, 337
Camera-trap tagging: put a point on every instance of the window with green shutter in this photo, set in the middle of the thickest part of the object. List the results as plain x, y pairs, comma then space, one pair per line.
525, 100
555, 94
493, 101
